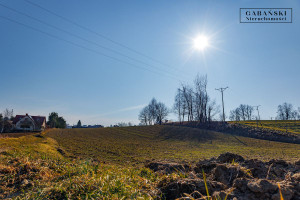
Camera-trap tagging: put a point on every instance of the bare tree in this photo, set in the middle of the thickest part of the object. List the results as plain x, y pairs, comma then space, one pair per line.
249, 112
285, 111
7, 115
153, 112
243, 112
194, 102
212, 110
187, 93
246, 112
144, 116
201, 98
178, 106
235, 115
294, 115
161, 112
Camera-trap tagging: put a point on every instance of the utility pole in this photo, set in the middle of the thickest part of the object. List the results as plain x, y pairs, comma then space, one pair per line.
257, 111
258, 116
222, 90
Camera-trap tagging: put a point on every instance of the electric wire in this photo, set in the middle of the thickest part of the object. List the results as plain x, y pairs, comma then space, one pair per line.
103, 36
84, 47
81, 38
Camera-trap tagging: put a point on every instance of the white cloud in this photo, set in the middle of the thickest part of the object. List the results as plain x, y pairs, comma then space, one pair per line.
123, 110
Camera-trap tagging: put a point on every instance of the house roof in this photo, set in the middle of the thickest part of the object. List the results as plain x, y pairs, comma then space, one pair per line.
38, 120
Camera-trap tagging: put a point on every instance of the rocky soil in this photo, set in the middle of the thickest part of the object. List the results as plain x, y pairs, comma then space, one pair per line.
231, 175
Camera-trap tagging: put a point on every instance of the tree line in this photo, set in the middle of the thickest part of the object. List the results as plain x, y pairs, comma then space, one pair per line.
244, 112
286, 111
193, 103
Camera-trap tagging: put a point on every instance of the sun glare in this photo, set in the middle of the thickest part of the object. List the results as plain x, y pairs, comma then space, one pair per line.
201, 42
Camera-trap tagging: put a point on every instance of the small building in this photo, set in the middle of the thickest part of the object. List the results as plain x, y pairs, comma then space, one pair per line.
69, 126
87, 126
29, 123
95, 126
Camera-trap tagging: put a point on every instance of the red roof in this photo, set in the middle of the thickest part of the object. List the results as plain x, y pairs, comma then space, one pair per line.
39, 120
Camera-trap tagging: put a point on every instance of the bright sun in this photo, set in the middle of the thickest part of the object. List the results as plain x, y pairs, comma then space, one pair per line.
201, 42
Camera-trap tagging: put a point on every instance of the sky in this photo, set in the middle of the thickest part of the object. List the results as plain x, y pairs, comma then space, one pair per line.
101, 61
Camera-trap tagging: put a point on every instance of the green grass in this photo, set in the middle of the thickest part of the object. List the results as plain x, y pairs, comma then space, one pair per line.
291, 126
107, 163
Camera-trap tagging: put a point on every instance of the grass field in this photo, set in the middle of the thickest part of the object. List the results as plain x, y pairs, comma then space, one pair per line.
137, 144
292, 126
107, 163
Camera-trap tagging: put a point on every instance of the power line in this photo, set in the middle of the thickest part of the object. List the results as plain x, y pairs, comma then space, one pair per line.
83, 47
81, 38
222, 90
100, 35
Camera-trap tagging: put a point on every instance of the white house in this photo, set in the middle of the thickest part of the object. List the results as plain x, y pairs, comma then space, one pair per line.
29, 123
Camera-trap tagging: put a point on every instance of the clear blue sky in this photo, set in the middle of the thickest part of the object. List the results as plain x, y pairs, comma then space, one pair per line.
41, 74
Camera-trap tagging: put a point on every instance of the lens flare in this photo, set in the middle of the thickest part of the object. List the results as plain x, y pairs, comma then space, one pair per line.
201, 42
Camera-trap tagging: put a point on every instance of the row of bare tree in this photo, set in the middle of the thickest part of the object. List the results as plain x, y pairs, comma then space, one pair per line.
244, 112
192, 102
286, 111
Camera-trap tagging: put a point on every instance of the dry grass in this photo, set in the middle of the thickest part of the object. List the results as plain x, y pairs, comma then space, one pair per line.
15, 135
27, 178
